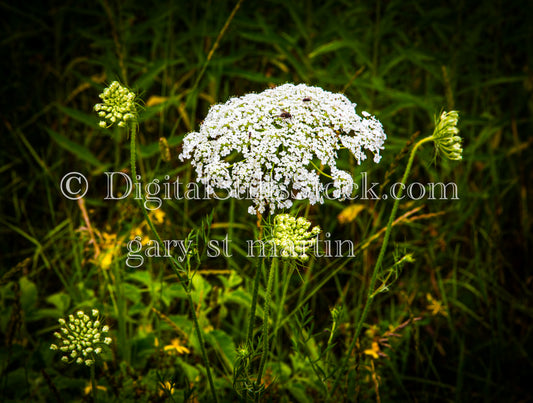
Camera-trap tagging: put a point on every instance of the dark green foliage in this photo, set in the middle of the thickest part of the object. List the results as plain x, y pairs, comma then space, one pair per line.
404, 61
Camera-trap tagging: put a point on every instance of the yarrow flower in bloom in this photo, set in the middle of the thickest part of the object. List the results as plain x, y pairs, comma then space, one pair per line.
268, 145
81, 339
291, 237
118, 106
446, 136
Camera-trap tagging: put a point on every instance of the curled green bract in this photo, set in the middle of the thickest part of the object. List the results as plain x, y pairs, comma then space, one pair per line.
445, 136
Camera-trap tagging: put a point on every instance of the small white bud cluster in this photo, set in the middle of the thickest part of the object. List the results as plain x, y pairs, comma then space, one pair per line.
446, 136
291, 236
81, 338
118, 106
269, 146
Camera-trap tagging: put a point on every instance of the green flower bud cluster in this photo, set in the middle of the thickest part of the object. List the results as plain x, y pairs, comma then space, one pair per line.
446, 136
118, 106
291, 236
81, 339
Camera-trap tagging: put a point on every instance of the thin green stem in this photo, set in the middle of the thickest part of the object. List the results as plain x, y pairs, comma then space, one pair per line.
121, 311
215, 46
93, 383
251, 322
377, 268
286, 282
176, 267
266, 317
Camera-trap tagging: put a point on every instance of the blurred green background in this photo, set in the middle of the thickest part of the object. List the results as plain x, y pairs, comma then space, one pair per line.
404, 61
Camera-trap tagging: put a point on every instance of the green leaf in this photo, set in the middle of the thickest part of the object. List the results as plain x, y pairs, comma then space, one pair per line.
76, 149
298, 391
147, 79
60, 300
251, 76
28, 290
149, 150
89, 120
329, 47
132, 293
224, 345
201, 287
142, 277
239, 297
232, 281
191, 372
172, 292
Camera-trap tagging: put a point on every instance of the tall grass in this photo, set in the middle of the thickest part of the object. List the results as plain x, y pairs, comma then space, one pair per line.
404, 62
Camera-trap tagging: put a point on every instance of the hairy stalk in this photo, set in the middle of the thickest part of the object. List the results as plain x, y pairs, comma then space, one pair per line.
286, 282
377, 267
176, 267
251, 322
121, 310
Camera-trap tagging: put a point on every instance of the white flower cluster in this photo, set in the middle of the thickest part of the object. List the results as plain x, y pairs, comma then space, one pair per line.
118, 106
291, 238
81, 338
268, 146
446, 136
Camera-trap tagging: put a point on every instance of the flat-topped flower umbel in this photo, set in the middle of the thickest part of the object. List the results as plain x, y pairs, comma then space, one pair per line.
267, 146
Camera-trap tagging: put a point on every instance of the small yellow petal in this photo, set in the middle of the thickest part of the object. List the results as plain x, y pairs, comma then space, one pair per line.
350, 213
373, 351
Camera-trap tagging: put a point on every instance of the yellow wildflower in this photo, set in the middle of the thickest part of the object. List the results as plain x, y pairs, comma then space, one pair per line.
175, 346
374, 351
110, 248
137, 231
436, 306
157, 216
166, 386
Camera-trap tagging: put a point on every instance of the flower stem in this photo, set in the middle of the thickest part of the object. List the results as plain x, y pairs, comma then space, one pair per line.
266, 317
251, 322
255, 291
176, 267
93, 383
377, 268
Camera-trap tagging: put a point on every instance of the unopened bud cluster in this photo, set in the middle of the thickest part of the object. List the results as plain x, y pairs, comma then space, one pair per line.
118, 106
291, 236
81, 338
446, 136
